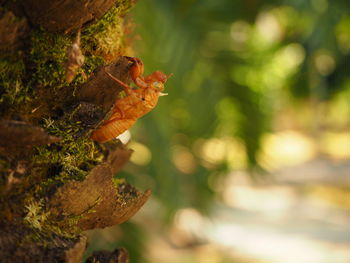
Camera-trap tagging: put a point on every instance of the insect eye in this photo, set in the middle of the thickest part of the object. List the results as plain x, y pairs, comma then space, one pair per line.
157, 85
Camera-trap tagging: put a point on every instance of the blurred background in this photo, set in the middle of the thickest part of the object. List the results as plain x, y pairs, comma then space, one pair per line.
249, 155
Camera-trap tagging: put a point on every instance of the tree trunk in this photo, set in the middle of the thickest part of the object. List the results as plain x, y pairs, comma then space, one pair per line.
55, 182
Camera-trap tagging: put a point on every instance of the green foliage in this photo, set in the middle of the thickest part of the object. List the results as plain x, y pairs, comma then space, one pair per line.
236, 67
134, 239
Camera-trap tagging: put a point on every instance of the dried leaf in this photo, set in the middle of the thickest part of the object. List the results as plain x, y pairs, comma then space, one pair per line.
20, 134
97, 198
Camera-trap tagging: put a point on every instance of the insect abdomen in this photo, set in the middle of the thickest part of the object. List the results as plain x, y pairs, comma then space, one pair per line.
112, 129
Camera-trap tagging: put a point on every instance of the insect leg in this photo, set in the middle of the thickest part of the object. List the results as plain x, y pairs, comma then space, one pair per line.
126, 87
118, 110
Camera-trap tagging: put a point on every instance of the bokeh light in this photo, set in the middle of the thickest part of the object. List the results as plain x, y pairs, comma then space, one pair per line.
248, 157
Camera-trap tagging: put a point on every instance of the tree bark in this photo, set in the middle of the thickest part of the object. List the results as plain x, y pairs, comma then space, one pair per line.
55, 182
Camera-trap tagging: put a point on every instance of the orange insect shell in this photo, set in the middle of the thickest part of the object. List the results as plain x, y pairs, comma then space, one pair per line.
134, 105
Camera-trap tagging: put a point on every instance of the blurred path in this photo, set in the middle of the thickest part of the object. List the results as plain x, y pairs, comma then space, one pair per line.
299, 217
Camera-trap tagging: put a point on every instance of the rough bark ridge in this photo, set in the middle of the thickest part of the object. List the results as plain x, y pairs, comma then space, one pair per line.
55, 181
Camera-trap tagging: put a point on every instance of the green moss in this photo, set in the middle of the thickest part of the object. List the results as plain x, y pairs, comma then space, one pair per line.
123, 6
47, 224
71, 151
103, 41
118, 181
10, 69
13, 91
91, 63
69, 159
36, 216
105, 37
48, 55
